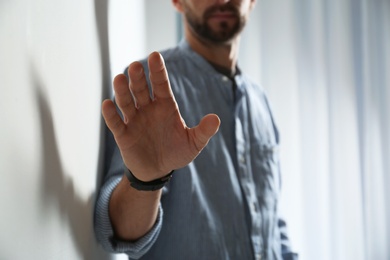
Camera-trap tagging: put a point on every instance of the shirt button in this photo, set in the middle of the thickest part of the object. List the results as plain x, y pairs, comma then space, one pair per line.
224, 78
258, 256
242, 159
253, 207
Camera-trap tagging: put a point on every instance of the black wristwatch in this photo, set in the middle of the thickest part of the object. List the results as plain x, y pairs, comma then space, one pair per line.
149, 185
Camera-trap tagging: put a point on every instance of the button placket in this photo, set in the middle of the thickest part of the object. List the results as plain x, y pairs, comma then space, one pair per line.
247, 186
244, 176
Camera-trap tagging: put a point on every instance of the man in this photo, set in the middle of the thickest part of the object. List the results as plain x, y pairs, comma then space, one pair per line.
221, 200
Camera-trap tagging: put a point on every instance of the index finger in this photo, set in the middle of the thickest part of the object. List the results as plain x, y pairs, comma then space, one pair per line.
159, 76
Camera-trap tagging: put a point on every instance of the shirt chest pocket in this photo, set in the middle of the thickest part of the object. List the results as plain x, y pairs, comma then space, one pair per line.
266, 172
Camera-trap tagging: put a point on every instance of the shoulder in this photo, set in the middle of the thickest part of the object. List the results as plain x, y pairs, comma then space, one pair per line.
179, 65
251, 86
172, 56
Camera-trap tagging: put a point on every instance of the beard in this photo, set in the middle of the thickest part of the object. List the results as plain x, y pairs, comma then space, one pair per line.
225, 31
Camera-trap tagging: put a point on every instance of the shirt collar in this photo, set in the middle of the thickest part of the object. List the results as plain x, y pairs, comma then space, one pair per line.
202, 63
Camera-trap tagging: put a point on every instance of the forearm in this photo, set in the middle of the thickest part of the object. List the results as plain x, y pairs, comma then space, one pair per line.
133, 213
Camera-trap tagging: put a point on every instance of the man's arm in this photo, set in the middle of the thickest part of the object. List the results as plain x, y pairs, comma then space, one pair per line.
153, 140
125, 202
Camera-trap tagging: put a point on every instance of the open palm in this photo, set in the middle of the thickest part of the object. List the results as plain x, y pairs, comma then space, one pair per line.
152, 136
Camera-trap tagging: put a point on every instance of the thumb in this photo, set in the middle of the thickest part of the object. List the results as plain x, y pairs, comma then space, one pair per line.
207, 127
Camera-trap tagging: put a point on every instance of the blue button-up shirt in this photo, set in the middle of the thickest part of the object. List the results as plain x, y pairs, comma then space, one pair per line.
223, 205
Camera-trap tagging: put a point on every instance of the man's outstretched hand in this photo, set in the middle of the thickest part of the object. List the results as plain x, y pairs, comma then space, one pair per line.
152, 136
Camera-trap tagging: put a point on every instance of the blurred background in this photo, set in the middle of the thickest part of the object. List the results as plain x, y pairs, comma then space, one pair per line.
325, 65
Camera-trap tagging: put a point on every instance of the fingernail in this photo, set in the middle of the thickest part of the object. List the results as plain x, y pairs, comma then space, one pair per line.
139, 70
136, 69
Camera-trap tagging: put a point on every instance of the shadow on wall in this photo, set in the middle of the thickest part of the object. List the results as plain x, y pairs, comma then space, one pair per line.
58, 190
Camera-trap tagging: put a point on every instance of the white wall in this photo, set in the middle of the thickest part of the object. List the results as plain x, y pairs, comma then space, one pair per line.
149, 26
57, 59
161, 26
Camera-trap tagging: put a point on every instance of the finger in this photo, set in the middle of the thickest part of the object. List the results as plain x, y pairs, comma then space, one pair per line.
138, 84
113, 121
203, 132
159, 76
123, 97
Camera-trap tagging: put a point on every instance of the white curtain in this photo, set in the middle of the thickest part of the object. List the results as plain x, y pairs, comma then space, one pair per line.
326, 67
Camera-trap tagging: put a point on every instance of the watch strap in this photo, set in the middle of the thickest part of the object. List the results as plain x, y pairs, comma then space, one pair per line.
148, 185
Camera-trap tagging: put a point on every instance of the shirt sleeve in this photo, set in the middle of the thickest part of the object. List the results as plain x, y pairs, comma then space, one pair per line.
104, 231
286, 250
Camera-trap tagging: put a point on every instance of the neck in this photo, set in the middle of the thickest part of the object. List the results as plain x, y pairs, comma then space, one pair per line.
222, 54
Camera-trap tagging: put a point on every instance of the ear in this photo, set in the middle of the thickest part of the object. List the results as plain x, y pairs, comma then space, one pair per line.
178, 5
